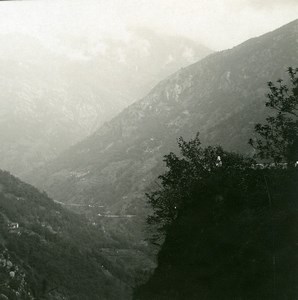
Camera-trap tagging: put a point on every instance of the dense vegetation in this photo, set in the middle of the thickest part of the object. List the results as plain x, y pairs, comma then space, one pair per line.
230, 224
54, 253
278, 136
229, 242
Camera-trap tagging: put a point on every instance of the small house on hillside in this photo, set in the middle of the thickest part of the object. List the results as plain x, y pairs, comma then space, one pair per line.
13, 225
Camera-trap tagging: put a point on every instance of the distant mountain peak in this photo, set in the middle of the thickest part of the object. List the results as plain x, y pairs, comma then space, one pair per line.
52, 96
221, 96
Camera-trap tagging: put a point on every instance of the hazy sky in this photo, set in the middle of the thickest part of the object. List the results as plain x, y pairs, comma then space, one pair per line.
219, 24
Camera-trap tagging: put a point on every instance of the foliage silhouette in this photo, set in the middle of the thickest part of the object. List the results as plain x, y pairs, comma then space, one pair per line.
194, 166
279, 136
229, 229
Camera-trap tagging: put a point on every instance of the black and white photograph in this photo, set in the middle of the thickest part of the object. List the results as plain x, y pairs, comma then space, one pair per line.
149, 150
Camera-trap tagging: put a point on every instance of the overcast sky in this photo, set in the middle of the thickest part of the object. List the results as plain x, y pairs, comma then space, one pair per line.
219, 24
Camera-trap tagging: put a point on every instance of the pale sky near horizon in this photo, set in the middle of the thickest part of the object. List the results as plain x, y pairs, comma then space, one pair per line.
218, 24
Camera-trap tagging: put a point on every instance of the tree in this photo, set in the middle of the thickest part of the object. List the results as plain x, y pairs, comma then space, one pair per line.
279, 136
194, 167
228, 226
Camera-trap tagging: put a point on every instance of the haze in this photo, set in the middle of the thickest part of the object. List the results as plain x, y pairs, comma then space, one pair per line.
218, 24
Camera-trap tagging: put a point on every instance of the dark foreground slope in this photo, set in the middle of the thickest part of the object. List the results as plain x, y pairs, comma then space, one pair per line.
47, 252
235, 239
222, 96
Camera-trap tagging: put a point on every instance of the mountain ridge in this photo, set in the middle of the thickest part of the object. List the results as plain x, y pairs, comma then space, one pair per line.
221, 96
43, 246
52, 97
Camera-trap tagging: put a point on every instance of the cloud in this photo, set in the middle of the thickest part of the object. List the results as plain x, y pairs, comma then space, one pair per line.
270, 3
262, 5
219, 24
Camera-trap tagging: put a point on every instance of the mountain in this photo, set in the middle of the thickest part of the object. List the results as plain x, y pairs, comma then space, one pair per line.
49, 252
54, 95
222, 96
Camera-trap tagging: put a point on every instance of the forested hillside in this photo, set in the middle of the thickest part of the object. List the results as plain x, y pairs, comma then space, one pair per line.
230, 223
231, 232
47, 252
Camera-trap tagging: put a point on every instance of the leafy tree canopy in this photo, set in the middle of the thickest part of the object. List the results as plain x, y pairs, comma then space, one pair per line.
278, 137
194, 166
230, 228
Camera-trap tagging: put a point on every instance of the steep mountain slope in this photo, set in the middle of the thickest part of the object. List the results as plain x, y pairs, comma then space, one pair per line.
230, 244
48, 252
53, 96
222, 96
